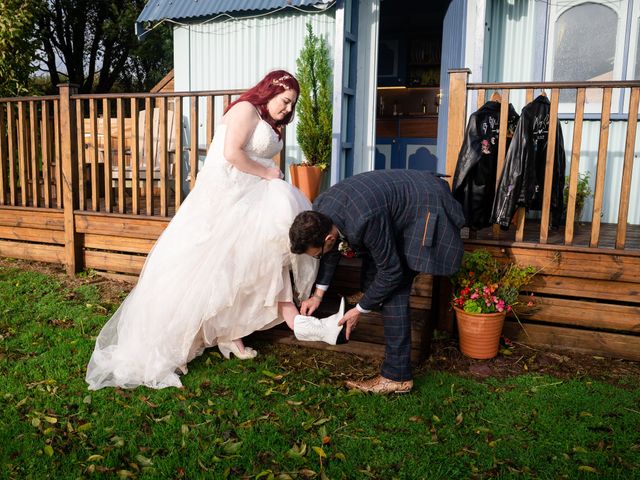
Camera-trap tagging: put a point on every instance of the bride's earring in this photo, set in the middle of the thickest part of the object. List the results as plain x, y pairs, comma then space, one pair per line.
226, 348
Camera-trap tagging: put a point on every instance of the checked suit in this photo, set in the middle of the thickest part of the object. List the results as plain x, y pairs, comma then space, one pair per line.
401, 222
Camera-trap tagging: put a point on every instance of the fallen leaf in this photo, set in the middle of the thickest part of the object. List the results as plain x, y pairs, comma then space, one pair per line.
459, 419
272, 375
48, 449
265, 473
587, 468
84, 426
95, 458
143, 461
320, 452
307, 473
231, 448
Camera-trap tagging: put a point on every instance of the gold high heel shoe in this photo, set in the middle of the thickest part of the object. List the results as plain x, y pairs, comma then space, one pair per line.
226, 348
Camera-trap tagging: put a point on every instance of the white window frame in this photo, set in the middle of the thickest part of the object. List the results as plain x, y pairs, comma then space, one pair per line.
634, 38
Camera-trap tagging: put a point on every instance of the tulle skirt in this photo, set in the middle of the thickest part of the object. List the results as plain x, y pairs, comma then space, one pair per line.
216, 273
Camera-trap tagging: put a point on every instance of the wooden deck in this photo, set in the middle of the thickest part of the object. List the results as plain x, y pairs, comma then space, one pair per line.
581, 232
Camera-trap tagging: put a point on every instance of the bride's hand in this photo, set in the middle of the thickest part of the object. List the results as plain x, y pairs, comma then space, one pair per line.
274, 173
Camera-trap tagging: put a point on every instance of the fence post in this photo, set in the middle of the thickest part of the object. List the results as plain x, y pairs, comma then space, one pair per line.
456, 117
70, 199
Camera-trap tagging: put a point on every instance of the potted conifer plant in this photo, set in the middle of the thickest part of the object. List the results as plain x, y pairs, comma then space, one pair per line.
314, 112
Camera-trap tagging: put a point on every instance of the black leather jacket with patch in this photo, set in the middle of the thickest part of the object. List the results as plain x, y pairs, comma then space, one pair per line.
474, 182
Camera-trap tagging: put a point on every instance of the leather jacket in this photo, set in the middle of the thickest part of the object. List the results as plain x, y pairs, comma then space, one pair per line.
474, 182
522, 180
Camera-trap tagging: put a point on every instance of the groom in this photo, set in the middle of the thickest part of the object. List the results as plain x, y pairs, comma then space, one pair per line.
400, 222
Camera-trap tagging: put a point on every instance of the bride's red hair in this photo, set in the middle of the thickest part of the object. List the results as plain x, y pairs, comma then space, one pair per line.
271, 85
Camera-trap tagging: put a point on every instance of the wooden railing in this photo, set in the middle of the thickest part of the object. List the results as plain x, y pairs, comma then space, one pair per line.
128, 155
30, 170
460, 95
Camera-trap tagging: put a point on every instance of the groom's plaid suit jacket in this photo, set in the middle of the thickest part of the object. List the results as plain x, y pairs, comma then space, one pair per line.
404, 219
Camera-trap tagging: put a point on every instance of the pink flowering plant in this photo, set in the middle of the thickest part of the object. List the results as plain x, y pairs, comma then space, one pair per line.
485, 285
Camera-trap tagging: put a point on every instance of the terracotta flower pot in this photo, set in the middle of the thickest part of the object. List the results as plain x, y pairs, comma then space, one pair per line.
479, 333
307, 178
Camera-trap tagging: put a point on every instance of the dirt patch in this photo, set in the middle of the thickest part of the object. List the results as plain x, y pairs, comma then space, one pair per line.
513, 359
111, 291
445, 355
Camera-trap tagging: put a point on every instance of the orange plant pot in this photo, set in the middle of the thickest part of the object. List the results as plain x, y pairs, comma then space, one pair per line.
479, 333
307, 178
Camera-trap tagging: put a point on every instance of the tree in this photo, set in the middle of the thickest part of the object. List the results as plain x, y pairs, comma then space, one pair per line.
17, 52
95, 42
314, 106
149, 61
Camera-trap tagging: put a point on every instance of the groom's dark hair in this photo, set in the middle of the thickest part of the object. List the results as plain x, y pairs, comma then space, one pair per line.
308, 230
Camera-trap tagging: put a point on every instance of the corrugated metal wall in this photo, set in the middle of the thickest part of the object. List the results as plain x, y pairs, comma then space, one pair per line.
615, 161
452, 57
509, 41
237, 53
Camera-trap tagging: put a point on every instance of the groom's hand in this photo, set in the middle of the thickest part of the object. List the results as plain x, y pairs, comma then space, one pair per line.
350, 320
310, 305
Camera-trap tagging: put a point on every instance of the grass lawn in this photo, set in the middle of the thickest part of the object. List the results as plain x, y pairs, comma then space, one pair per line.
285, 414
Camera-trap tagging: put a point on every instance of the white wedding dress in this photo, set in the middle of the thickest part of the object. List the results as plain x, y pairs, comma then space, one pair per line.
216, 273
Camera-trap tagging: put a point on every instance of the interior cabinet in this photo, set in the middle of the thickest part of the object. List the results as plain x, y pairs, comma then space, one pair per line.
406, 142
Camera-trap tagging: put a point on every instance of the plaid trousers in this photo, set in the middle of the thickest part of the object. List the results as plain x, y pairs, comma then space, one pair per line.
396, 318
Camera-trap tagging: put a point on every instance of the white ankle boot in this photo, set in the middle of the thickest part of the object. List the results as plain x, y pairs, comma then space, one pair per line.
313, 329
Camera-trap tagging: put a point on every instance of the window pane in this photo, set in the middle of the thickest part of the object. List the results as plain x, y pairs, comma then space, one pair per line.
581, 53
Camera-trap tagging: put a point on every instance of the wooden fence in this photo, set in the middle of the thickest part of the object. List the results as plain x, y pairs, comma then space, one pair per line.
589, 291
90, 181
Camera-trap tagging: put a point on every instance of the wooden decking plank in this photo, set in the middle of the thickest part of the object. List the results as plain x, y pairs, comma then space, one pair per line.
27, 234
585, 288
32, 251
120, 225
113, 262
587, 314
583, 341
115, 243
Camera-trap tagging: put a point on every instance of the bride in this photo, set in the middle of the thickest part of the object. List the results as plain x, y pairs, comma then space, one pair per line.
221, 269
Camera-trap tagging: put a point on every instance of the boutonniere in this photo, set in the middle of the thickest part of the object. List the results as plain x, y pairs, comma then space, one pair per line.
345, 249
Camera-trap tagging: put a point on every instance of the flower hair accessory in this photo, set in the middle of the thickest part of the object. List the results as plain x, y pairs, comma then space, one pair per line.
280, 81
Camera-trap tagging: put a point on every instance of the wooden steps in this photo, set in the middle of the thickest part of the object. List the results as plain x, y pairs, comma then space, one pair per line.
368, 338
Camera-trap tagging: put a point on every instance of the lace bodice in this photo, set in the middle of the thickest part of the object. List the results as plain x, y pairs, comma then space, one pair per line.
264, 143
262, 146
